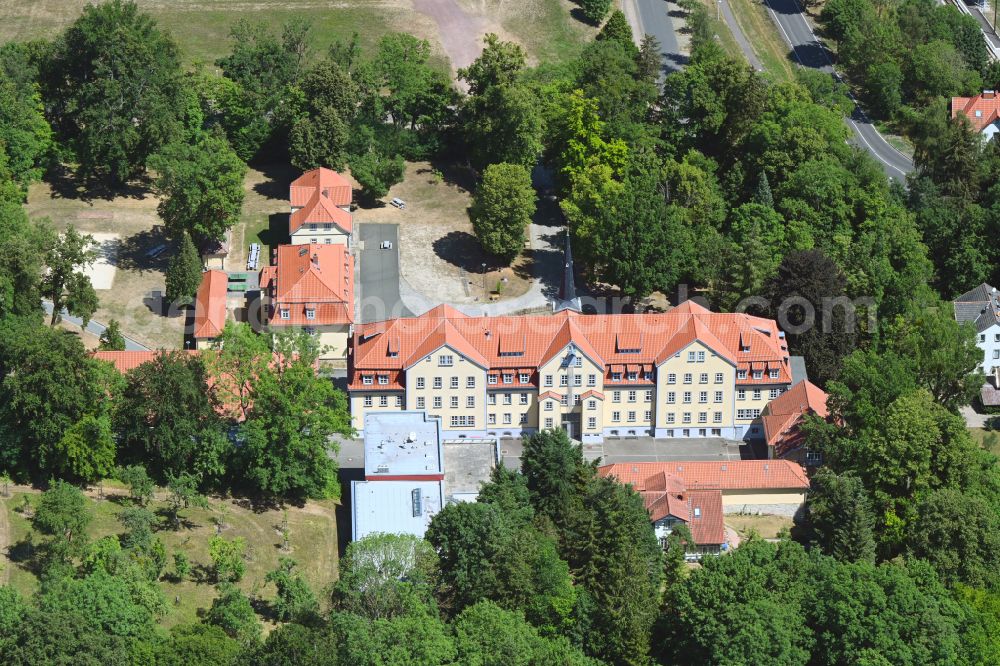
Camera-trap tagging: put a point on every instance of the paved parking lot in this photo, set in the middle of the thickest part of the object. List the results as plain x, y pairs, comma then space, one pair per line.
378, 274
644, 449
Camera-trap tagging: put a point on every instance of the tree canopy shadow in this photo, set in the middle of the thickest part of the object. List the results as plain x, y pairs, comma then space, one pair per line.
812, 55
133, 251
65, 184
277, 230
453, 173
462, 249
279, 179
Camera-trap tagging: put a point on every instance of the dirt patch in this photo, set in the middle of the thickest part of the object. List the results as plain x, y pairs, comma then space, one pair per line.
439, 255
460, 32
766, 526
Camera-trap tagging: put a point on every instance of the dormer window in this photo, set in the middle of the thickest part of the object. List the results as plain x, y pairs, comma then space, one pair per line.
616, 376
632, 376
366, 380
772, 373
741, 374
285, 313
383, 380
979, 113
758, 374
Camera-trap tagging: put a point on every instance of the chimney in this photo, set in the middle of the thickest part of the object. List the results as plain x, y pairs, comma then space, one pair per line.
989, 94
315, 260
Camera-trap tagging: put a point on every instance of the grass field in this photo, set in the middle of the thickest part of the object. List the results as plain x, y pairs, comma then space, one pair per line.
766, 526
767, 42
312, 537
201, 27
722, 32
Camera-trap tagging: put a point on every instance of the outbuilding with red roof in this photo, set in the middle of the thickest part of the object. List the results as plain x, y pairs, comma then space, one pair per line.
982, 110
320, 208
210, 308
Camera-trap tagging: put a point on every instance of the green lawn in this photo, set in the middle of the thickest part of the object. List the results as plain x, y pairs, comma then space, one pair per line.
312, 530
722, 32
988, 439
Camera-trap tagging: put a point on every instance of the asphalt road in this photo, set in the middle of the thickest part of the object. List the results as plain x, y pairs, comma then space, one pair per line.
95, 327
656, 22
378, 274
810, 52
988, 32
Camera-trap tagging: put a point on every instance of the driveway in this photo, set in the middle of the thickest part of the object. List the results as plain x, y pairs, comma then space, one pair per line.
377, 277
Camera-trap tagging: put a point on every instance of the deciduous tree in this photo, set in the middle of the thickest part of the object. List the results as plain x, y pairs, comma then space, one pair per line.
502, 210
64, 282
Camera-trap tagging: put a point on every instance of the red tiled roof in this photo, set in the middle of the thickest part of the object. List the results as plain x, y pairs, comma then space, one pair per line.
981, 110
338, 188
127, 360
730, 475
210, 305
706, 524
783, 415
320, 210
592, 394
549, 395
314, 276
487, 340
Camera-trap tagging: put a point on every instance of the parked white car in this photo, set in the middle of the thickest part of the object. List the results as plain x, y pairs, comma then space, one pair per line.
398, 203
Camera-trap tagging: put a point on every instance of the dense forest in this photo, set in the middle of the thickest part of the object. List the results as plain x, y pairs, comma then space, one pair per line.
719, 178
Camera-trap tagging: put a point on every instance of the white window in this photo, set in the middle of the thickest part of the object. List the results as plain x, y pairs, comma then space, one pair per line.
591, 380
491, 419
470, 382
758, 374
702, 397
996, 353
591, 405
686, 418
616, 376
741, 374
310, 313
564, 400
671, 378
285, 313
616, 396
773, 373
368, 401
774, 393
524, 398
631, 396
549, 405
446, 360
454, 402
438, 383
703, 378
437, 402
383, 401
524, 419
563, 380
420, 402
670, 417
718, 396
718, 378
717, 417
814, 459
756, 394
647, 415
632, 376
548, 380
691, 357
702, 417
383, 380
701, 357
577, 380
508, 378
491, 379
524, 378
508, 399
367, 380
420, 382
747, 413
631, 417
470, 401
671, 397
616, 416
687, 377
647, 376
687, 397
399, 401
506, 419
454, 382
548, 423
648, 397
741, 394
591, 422
491, 398
578, 362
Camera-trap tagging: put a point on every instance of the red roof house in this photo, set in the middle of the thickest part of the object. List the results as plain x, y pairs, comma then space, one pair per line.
982, 111
783, 416
310, 285
320, 202
210, 306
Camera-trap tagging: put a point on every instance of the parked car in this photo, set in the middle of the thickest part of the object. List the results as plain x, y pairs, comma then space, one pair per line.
398, 203
156, 251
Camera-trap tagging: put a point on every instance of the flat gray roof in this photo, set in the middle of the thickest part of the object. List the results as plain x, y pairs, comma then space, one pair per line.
468, 463
394, 507
797, 364
402, 443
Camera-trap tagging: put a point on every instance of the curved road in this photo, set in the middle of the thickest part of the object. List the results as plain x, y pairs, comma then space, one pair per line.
810, 52
654, 18
95, 327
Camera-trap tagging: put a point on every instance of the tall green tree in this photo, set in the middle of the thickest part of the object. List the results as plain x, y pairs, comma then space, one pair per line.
376, 172
112, 338
184, 272
595, 10
617, 29
200, 183
840, 517
502, 210
62, 514
64, 283
112, 87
